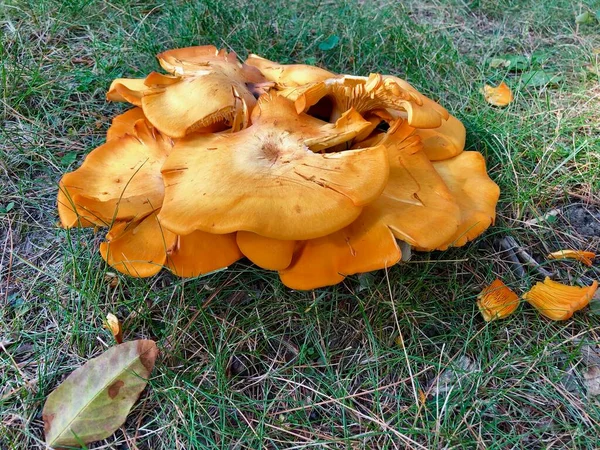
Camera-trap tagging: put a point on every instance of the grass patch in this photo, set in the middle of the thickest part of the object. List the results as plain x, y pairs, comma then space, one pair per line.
384, 360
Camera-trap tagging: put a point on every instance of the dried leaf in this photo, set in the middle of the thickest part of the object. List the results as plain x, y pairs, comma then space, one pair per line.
95, 399
584, 18
112, 279
591, 381
513, 62
580, 255
113, 324
499, 62
453, 377
498, 96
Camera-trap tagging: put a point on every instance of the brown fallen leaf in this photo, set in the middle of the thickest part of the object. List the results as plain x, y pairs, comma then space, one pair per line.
497, 301
113, 324
95, 399
580, 255
498, 96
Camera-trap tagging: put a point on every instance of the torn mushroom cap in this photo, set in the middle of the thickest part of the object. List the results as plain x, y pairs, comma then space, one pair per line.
558, 301
124, 123
445, 141
267, 253
365, 94
127, 90
365, 245
419, 98
191, 60
474, 191
266, 179
416, 203
288, 75
121, 179
178, 106
580, 255
138, 248
198, 253
500, 95
497, 301
73, 215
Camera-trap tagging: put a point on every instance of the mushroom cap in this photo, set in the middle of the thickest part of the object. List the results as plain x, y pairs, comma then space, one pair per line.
420, 98
138, 248
366, 94
288, 75
267, 253
183, 105
73, 215
121, 179
191, 60
474, 191
445, 141
365, 245
198, 253
416, 203
559, 301
124, 123
267, 180
127, 90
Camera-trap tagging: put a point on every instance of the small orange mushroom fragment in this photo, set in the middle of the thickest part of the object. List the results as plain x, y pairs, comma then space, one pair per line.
199, 253
114, 326
497, 301
498, 96
138, 249
580, 255
558, 301
269, 181
474, 191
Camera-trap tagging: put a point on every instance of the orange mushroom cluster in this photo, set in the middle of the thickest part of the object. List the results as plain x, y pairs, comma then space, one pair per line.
309, 173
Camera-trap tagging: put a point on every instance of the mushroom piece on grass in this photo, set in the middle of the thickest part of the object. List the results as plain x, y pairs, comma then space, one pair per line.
559, 301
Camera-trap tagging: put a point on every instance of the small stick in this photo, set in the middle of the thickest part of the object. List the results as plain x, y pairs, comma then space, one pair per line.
516, 266
526, 257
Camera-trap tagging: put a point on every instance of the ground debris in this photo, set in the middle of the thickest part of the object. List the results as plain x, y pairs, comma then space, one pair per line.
458, 374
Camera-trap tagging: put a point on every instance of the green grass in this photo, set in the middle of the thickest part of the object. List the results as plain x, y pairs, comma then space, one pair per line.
245, 362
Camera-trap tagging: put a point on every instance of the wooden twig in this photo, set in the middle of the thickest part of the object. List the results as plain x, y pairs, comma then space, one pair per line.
510, 242
516, 265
